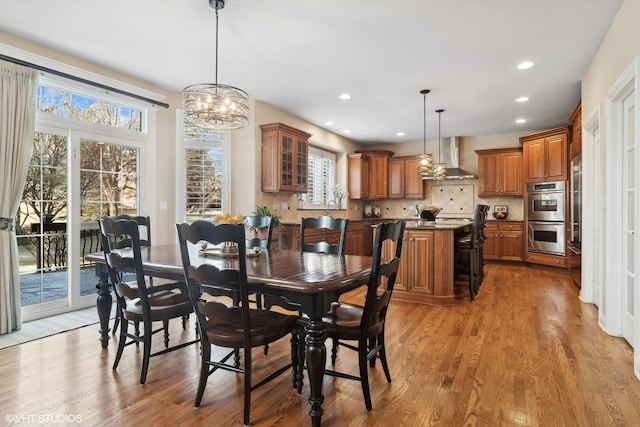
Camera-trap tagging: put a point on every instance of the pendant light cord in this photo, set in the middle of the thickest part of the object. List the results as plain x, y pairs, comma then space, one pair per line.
424, 123
216, 47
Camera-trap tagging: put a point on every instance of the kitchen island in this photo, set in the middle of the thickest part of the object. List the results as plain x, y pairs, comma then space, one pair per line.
426, 272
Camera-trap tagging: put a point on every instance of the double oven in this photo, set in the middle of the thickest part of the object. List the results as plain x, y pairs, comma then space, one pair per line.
546, 217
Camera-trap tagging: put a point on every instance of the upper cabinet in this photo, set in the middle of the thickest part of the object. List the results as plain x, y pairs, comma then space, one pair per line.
575, 147
500, 172
285, 153
358, 167
404, 182
368, 174
545, 155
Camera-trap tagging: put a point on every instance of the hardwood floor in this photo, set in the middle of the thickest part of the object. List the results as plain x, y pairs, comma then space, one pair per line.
526, 352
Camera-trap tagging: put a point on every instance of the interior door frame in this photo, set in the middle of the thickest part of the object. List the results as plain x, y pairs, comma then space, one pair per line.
594, 202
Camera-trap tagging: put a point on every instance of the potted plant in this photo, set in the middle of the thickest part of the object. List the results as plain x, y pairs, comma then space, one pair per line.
275, 221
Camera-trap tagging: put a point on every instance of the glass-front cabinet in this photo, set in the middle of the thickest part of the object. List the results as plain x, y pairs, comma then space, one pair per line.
285, 153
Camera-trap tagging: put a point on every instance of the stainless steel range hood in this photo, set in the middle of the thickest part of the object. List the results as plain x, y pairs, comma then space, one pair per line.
450, 154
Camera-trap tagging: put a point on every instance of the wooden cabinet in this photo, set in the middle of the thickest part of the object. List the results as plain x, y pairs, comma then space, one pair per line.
285, 153
354, 239
358, 176
426, 271
404, 182
500, 172
575, 147
378, 174
505, 241
545, 155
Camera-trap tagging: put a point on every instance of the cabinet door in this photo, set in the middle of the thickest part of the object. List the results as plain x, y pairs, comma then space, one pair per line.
287, 158
413, 183
512, 245
534, 160
511, 174
379, 176
490, 247
419, 272
488, 184
358, 176
556, 158
396, 179
302, 169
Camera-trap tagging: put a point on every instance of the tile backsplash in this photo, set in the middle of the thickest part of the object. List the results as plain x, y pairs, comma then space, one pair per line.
457, 198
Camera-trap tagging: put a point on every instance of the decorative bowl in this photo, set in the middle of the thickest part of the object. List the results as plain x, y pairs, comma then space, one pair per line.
429, 212
500, 215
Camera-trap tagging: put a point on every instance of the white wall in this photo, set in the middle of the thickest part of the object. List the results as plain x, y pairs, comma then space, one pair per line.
618, 50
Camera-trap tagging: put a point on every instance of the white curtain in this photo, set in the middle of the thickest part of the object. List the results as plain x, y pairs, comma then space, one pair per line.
18, 86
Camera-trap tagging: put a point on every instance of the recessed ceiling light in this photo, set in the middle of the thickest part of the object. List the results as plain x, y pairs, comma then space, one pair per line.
329, 123
522, 99
524, 65
346, 131
345, 96
400, 134
520, 121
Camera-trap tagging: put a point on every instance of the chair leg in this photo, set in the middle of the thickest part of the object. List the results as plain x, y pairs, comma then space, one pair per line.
146, 355
372, 344
383, 357
137, 331
247, 385
185, 319
165, 324
294, 359
301, 358
204, 372
364, 374
472, 293
121, 342
334, 351
116, 322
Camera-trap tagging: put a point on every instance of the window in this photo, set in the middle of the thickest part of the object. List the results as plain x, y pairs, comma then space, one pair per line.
203, 166
55, 99
322, 178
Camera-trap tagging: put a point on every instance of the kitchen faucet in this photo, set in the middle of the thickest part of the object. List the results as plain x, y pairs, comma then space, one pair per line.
329, 203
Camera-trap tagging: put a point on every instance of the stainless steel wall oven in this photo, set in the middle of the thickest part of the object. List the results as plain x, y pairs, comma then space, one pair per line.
545, 201
546, 217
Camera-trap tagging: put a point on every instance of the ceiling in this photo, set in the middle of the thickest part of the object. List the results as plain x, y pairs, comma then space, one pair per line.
300, 56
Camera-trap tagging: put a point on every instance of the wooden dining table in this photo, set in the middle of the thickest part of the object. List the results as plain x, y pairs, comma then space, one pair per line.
310, 280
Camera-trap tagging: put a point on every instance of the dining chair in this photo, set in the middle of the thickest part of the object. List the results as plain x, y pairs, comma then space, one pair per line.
260, 229
468, 251
117, 242
221, 321
324, 245
365, 324
138, 302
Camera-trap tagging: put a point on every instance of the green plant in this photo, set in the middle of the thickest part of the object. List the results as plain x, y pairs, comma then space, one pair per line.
264, 211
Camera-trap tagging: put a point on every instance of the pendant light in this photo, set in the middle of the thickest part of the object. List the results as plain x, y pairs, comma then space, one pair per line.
424, 160
213, 106
439, 169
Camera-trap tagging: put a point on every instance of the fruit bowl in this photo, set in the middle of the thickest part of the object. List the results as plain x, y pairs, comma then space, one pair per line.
500, 215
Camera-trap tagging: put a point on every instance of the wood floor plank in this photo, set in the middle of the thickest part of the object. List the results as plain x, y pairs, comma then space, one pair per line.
526, 352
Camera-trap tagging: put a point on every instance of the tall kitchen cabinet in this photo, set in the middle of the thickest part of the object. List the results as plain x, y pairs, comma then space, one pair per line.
500, 172
285, 152
369, 168
358, 167
545, 155
404, 181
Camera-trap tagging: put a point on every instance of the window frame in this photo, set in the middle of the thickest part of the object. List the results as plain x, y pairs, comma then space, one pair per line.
323, 154
182, 143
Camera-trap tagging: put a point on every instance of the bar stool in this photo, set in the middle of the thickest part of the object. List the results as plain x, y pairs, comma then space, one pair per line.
468, 249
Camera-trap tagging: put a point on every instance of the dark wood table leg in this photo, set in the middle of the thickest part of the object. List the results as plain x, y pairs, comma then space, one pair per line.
103, 303
316, 355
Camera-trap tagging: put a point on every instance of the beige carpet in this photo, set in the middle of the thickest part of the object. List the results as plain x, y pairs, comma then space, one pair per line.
41, 328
